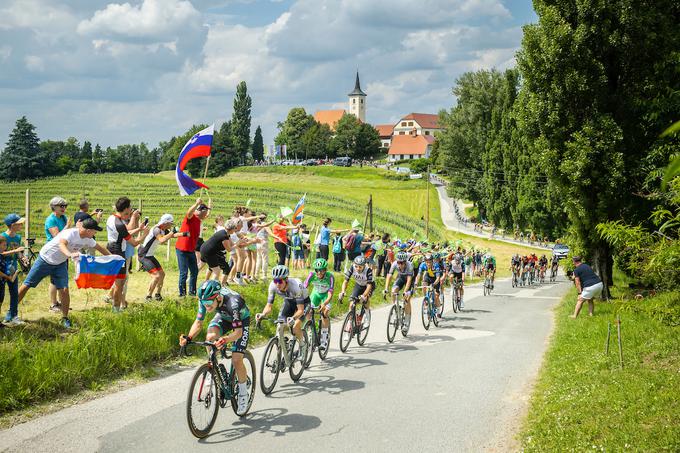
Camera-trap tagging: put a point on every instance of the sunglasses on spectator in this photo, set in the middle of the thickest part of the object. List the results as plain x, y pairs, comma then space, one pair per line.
278, 281
62, 206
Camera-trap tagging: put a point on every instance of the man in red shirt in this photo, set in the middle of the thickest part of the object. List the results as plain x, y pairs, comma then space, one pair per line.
186, 246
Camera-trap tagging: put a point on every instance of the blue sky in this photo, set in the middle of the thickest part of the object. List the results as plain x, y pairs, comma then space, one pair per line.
145, 70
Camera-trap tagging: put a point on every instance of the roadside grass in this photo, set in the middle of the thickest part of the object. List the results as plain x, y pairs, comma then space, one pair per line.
584, 401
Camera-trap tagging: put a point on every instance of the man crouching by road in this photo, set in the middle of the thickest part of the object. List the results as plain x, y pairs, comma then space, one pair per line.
588, 285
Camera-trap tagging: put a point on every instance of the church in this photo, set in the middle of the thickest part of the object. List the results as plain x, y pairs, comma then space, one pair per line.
409, 138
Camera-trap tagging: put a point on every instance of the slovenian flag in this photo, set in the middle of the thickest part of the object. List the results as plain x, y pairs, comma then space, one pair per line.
98, 272
298, 211
197, 146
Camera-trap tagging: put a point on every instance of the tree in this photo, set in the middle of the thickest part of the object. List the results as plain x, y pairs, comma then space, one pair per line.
367, 141
258, 145
224, 154
315, 142
240, 121
598, 89
345, 140
86, 152
22, 157
98, 159
292, 129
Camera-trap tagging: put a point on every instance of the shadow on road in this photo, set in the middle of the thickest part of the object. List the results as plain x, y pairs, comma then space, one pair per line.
431, 339
325, 384
345, 361
475, 311
369, 348
276, 421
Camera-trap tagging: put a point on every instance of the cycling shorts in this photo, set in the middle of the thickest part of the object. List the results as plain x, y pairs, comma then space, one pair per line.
400, 283
317, 299
240, 344
289, 307
360, 289
490, 267
150, 264
429, 280
457, 276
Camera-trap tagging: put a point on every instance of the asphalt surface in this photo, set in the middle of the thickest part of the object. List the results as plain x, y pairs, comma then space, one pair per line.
462, 386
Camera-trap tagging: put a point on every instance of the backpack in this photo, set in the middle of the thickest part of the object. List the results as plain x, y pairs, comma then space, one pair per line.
349, 242
337, 244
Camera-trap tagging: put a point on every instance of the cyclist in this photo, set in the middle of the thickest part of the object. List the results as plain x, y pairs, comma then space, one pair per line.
231, 314
489, 266
323, 283
515, 265
457, 274
554, 265
542, 265
431, 274
404, 281
363, 282
532, 265
295, 302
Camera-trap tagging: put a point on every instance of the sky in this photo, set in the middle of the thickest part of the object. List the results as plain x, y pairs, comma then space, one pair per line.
146, 70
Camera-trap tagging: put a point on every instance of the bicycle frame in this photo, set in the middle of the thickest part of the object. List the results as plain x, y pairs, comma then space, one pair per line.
213, 360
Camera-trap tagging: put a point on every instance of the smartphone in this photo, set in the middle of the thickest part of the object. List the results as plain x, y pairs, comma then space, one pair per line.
99, 210
146, 221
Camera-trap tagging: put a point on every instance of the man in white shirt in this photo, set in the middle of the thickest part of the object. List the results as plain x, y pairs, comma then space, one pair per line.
53, 258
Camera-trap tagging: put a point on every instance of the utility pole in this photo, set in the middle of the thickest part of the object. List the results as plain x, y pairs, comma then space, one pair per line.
427, 212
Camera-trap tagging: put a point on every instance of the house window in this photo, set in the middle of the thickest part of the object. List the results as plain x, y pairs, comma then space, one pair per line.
427, 132
402, 133
410, 123
354, 101
410, 156
362, 101
403, 123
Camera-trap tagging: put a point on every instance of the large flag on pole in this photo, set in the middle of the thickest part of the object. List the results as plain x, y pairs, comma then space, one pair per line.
298, 212
98, 272
197, 146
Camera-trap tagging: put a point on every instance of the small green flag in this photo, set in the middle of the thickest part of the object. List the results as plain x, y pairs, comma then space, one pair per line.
286, 211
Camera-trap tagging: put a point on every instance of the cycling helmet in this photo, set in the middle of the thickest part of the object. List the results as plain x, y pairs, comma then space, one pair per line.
436, 256
457, 260
209, 291
401, 256
320, 264
280, 271
428, 257
360, 260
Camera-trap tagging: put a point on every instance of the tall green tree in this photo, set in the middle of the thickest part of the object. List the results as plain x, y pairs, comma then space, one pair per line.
98, 159
367, 142
258, 145
21, 157
316, 140
240, 120
292, 129
600, 83
224, 154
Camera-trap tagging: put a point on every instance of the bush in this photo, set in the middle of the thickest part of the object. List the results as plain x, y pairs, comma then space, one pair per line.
419, 165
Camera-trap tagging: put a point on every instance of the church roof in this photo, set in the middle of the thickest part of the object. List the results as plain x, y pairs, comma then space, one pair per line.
384, 130
357, 88
329, 117
410, 144
425, 120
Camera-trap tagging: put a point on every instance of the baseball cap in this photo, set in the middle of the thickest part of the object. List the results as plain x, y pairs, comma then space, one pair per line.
11, 219
91, 224
166, 218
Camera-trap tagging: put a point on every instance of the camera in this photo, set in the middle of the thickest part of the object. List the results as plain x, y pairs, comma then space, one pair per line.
30, 241
146, 221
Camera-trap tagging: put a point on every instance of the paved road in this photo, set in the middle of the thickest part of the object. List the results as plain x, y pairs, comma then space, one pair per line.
460, 387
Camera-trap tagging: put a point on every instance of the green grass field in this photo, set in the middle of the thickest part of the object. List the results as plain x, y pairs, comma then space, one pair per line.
584, 401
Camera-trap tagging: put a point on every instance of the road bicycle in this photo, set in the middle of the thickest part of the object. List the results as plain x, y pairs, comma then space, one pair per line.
283, 351
213, 387
312, 328
541, 275
429, 310
487, 284
397, 317
356, 323
515, 277
442, 298
29, 256
456, 296
553, 274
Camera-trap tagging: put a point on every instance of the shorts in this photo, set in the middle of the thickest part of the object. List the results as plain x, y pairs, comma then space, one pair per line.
400, 282
150, 264
298, 254
490, 267
199, 243
316, 299
122, 273
457, 275
58, 274
428, 280
289, 307
592, 291
360, 289
239, 345
216, 260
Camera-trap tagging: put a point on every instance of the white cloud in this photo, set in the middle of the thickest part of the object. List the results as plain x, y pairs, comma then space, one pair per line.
34, 63
5, 52
153, 19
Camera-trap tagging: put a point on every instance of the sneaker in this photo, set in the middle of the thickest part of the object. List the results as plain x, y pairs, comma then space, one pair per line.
242, 400
66, 323
16, 321
158, 297
108, 300
239, 281
56, 307
148, 299
323, 344
8, 317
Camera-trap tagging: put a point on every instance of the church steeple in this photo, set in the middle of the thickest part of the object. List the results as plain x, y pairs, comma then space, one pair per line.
357, 101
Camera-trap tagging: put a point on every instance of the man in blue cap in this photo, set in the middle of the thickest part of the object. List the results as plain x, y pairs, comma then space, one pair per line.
14, 223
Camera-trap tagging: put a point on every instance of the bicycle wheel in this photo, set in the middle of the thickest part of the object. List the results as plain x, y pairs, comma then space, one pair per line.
363, 328
310, 331
392, 324
425, 313
484, 288
454, 298
347, 331
251, 383
404, 317
324, 352
202, 401
297, 367
442, 299
271, 366
514, 283
433, 314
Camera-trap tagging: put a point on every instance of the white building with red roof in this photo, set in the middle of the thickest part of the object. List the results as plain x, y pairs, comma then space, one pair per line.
413, 136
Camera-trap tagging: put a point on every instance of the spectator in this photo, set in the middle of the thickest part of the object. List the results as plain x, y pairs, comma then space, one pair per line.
280, 233
296, 248
263, 233
356, 243
588, 285
12, 239
120, 237
338, 252
53, 258
383, 265
159, 234
186, 246
325, 237
84, 212
54, 223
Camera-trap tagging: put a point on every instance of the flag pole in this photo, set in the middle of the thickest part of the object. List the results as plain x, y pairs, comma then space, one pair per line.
205, 173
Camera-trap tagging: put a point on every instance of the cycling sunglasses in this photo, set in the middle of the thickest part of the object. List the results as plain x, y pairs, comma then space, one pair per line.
278, 281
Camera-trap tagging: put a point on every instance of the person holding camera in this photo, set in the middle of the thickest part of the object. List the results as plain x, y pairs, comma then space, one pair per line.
161, 233
83, 214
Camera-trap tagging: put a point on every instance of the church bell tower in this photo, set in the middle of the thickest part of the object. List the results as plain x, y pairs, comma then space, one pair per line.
357, 101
